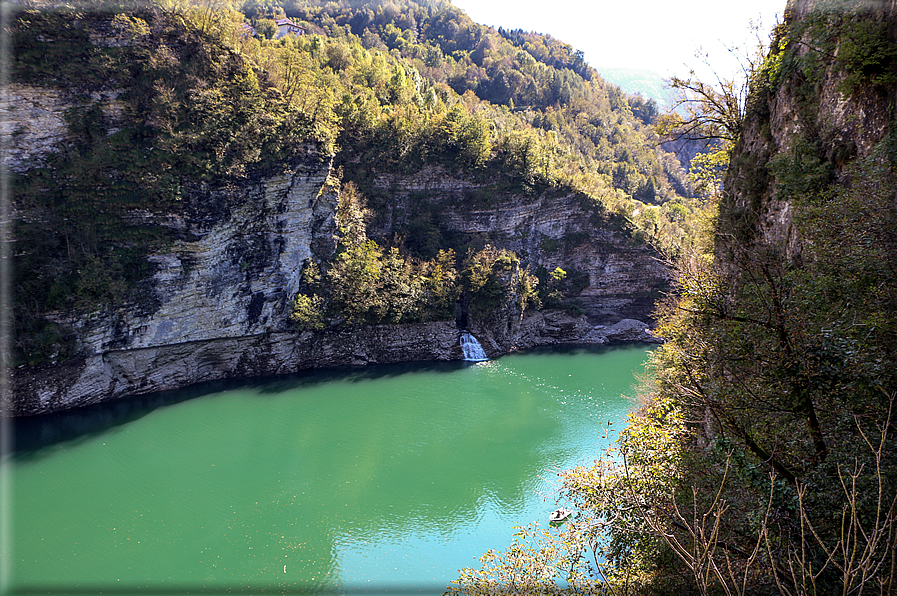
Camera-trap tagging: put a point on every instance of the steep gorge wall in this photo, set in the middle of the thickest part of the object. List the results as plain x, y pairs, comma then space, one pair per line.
217, 302
557, 228
817, 109
213, 299
222, 299
791, 345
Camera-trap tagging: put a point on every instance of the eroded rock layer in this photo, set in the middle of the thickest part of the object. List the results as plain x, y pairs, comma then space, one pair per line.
217, 297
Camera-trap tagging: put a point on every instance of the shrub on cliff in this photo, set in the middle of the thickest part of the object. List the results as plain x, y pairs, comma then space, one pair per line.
366, 284
306, 313
493, 280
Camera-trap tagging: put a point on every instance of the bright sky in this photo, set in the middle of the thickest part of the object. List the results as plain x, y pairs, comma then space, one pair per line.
658, 35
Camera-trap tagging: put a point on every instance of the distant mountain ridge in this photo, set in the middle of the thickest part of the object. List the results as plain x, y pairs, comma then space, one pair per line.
640, 81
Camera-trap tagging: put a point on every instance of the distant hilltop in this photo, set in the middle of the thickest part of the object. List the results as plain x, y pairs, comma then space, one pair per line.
642, 81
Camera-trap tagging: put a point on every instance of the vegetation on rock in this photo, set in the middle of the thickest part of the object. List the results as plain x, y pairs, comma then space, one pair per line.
760, 462
365, 283
173, 98
191, 111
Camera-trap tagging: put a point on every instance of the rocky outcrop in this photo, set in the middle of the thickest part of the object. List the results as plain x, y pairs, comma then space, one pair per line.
218, 303
121, 372
238, 274
218, 300
34, 118
623, 277
805, 111
554, 327
214, 301
222, 296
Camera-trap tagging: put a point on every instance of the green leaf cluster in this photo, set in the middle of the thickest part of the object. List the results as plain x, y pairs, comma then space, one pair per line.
365, 283
543, 82
493, 280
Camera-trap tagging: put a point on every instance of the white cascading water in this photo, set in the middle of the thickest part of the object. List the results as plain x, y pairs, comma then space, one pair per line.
473, 351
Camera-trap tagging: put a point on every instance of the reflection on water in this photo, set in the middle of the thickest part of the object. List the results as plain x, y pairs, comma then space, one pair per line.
382, 476
34, 433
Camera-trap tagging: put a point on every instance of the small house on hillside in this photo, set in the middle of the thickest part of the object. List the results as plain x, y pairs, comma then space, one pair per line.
288, 27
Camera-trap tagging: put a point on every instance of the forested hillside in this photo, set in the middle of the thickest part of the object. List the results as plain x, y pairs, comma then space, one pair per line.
170, 99
762, 459
544, 82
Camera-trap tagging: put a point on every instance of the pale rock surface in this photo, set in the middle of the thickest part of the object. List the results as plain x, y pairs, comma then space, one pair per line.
33, 119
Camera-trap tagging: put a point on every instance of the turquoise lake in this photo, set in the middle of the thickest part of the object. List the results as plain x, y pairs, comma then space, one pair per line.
380, 479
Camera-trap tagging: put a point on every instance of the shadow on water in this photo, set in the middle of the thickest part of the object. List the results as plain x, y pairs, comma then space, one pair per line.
574, 348
33, 434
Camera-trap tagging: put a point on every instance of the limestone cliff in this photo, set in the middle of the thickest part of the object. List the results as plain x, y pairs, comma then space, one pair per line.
216, 255
566, 229
785, 349
823, 100
620, 277
231, 277
221, 296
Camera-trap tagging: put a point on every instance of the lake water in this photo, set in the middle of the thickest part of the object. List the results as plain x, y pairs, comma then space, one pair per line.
384, 479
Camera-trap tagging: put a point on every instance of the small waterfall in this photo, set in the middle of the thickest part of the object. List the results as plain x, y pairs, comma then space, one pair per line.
473, 351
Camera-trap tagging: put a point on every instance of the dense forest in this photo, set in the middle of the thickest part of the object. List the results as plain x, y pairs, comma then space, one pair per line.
382, 87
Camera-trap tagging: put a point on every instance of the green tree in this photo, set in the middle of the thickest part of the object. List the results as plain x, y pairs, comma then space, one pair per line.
307, 312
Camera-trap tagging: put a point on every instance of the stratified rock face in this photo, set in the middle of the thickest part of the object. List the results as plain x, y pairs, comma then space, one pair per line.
239, 275
231, 277
549, 328
218, 302
118, 373
566, 230
34, 119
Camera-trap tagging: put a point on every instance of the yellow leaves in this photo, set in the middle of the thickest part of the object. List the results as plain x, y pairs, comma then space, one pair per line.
666, 124
307, 312
708, 168
701, 285
538, 562
130, 27
558, 274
